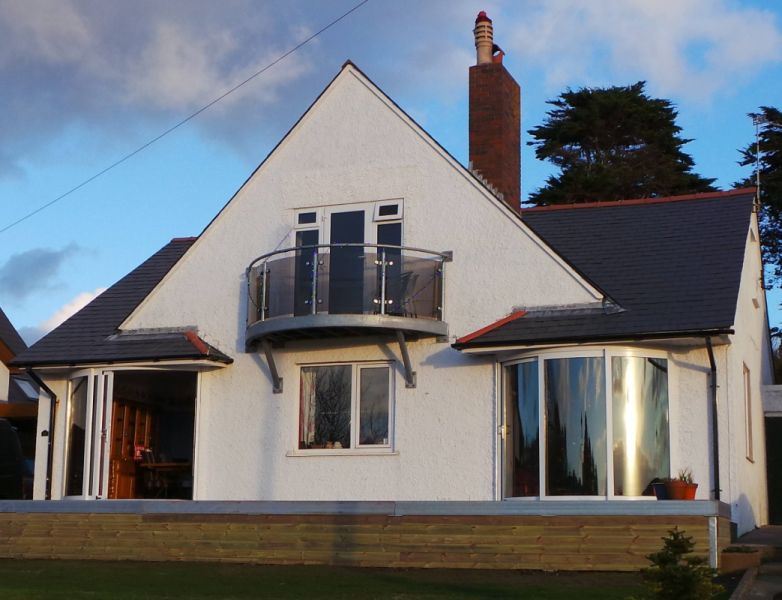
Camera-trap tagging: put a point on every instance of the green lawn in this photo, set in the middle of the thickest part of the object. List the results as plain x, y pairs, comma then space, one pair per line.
31, 579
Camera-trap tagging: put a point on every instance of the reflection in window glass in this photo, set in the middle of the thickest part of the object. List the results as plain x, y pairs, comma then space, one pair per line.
575, 427
373, 411
522, 452
77, 424
640, 417
325, 407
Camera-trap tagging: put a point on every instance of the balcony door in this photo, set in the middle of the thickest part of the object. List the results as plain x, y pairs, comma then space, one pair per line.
346, 265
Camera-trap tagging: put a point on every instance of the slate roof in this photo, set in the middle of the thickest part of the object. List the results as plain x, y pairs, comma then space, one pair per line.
9, 336
90, 335
670, 267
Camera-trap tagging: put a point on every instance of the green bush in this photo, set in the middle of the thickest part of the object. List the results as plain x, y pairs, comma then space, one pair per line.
675, 576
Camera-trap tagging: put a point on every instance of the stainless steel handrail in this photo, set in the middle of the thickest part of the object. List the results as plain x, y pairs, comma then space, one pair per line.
263, 262
446, 256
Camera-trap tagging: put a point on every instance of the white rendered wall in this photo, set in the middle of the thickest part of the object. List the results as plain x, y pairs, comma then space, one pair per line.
691, 414
5, 380
746, 486
353, 147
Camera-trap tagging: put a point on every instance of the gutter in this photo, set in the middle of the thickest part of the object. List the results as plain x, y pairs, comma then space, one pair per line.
49, 433
594, 338
715, 440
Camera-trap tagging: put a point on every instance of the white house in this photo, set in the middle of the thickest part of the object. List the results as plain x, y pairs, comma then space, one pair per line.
369, 320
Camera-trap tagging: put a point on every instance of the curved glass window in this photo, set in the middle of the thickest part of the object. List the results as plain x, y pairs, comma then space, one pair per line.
575, 427
640, 415
589, 447
523, 429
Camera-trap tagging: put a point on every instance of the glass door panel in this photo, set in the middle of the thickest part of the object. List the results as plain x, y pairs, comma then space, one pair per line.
306, 261
522, 430
396, 280
76, 440
346, 269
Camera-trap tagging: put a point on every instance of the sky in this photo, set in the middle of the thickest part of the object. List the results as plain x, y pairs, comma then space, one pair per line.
85, 82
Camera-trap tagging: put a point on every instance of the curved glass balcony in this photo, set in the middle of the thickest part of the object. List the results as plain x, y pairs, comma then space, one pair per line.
331, 290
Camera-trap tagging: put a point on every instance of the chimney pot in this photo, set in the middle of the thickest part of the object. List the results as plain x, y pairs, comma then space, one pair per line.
484, 38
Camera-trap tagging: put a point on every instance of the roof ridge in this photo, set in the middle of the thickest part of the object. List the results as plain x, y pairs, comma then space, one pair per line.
640, 201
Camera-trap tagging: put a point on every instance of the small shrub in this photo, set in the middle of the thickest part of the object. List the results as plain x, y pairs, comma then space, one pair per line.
675, 576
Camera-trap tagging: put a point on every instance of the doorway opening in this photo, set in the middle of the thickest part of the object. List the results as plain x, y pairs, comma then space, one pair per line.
152, 435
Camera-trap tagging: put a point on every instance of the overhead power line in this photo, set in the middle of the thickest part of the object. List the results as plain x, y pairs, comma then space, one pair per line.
183, 121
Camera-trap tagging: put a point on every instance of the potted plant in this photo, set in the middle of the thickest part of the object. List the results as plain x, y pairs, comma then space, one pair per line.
681, 487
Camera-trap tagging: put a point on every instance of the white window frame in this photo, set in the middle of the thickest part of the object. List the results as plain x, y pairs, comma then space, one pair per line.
355, 408
395, 217
318, 218
749, 446
607, 354
371, 219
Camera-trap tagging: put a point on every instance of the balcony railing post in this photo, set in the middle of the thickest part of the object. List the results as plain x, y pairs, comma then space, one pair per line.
441, 299
314, 294
262, 300
382, 281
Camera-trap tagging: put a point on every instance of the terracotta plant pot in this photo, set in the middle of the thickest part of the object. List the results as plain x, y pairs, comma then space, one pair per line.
679, 490
689, 493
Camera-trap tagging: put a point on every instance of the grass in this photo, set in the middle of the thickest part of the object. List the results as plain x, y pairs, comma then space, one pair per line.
32, 579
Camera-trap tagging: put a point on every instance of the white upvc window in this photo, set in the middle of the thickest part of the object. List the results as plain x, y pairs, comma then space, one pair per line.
346, 406
585, 423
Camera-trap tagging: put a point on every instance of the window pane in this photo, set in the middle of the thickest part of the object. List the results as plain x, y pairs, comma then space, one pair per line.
522, 454
388, 210
373, 407
640, 416
575, 427
77, 424
307, 217
325, 407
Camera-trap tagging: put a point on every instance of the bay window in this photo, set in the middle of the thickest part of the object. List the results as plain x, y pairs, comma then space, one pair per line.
585, 405
345, 406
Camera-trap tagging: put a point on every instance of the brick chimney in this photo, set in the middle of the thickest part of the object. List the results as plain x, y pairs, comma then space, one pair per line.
495, 117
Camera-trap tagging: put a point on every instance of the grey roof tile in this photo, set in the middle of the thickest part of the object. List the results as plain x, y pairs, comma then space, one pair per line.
9, 336
89, 335
673, 266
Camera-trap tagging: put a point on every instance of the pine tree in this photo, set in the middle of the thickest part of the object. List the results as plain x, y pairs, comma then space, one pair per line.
770, 217
613, 143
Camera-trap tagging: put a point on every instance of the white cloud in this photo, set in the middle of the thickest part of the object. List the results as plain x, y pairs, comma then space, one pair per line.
69, 309
691, 48
32, 334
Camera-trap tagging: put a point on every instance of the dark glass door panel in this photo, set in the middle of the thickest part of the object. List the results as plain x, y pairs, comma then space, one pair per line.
346, 269
305, 259
391, 234
575, 427
522, 449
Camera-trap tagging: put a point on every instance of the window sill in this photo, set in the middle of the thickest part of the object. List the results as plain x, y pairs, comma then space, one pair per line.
344, 452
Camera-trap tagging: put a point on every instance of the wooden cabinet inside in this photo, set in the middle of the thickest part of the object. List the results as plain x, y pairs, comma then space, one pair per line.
133, 430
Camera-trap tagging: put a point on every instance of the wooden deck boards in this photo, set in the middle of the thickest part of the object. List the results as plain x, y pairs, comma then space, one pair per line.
618, 543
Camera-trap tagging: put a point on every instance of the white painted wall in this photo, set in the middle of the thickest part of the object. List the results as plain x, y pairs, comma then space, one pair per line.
747, 490
5, 380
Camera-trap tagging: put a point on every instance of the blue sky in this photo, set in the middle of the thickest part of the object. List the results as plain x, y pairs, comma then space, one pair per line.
83, 82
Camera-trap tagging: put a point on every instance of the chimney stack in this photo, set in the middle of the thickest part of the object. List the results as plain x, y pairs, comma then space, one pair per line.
495, 117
